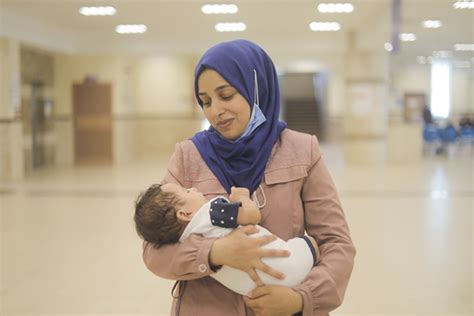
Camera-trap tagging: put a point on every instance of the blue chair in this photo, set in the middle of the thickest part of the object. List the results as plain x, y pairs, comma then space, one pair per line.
431, 139
449, 134
430, 133
466, 135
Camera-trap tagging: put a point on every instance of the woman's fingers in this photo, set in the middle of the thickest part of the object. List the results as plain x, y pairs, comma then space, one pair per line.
270, 271
249, 229
262, 241
254, 276
275, 253
258, 291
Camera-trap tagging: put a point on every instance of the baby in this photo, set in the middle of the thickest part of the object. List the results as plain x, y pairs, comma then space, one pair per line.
170, 213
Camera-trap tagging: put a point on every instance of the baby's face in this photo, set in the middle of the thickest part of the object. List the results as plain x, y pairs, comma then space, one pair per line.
191, 198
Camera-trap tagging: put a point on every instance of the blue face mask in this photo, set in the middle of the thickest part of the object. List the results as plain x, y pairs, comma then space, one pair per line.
257, 117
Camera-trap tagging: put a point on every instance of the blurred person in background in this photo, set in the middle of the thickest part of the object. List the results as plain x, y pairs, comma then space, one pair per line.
247, 146
427, 117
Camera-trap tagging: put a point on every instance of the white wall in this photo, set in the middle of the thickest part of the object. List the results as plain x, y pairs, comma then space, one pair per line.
140, 85
163, 85
462, 83
11, 154
147, 94
9, 77
3, 77
70, 69
416, 79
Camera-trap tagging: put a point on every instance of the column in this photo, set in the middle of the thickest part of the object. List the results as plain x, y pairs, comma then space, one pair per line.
11, 142
366, 112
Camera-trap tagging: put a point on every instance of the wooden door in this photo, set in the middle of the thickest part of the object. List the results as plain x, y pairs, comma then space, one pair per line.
92, 104
413, 105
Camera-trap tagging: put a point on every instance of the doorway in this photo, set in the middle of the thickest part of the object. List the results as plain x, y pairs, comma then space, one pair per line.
92, 103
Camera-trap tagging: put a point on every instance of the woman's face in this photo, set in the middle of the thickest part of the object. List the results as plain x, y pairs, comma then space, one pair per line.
225, 108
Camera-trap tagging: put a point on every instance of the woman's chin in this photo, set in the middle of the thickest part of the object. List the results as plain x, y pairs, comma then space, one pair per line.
229, 136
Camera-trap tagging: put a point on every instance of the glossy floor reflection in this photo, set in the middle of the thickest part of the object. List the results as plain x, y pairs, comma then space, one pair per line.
69, 246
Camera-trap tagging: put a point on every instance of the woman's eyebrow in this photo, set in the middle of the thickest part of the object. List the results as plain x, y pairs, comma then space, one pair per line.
217, 89
222, 87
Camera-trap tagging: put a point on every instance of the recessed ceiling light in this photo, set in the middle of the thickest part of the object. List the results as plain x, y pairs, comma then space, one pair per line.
421, 60
230, 27
462, 64
464, 4
464, 47
431, 24
442, 54
97, 11
219, 9
324, 26
407, 37
335, 7
130, 28
388, 47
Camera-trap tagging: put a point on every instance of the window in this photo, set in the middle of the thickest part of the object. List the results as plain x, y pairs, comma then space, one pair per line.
440, 89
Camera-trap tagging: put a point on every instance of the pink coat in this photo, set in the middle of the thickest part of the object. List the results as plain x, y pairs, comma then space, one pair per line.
300, 196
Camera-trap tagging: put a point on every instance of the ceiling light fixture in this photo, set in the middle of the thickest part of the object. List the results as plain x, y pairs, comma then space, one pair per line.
462, 64
464, 4
431, 24
131, 28
464, 47
324, 26
407, 37
421, 60
219, 9
442, 54
388, 47
230, 27
335, 7
97, 11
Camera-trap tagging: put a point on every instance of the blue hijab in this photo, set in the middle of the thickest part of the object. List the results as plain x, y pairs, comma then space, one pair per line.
242, 163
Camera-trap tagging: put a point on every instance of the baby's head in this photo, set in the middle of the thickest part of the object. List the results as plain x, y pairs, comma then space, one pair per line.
163, 211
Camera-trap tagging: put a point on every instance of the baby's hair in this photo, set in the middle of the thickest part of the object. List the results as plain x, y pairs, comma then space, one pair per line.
155, 216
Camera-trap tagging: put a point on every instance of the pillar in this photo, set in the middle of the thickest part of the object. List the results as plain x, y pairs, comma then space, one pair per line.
11, 142
366, 111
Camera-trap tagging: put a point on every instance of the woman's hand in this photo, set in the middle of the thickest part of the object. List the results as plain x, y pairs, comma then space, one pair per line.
240, 251
274, 300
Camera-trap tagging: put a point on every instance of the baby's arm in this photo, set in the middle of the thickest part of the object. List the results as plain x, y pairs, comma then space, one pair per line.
249, 214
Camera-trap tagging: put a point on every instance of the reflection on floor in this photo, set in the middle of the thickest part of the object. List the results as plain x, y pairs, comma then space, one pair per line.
69, 246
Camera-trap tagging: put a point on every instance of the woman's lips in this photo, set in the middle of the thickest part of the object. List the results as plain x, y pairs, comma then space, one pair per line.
225, 123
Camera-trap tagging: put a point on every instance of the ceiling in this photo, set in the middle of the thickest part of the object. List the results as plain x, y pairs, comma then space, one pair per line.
280, 26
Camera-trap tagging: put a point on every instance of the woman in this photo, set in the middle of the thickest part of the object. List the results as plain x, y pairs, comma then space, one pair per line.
237, 87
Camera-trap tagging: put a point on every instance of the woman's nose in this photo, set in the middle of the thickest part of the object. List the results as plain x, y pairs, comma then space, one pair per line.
218, 108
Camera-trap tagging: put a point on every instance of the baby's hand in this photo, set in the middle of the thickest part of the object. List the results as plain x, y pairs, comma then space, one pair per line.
248, 212
237, 194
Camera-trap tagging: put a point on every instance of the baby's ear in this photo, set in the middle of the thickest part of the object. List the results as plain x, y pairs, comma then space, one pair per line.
184, 215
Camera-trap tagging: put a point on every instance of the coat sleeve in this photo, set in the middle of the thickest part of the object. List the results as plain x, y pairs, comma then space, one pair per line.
324, 287
181, 261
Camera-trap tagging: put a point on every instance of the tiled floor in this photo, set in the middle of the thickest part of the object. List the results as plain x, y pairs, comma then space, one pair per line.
69, 246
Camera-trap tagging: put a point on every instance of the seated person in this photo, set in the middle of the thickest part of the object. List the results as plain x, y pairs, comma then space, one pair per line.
170, 213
